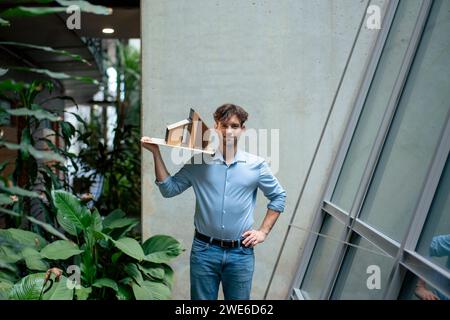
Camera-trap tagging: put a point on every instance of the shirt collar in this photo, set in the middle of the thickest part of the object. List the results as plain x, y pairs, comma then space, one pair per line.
239, 156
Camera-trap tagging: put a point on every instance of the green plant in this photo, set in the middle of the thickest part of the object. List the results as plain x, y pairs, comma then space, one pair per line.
63, 231
40, 163
120, 165
112, 264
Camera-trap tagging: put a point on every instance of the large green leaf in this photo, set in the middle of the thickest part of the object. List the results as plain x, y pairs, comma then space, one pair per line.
155, 272
47, 227
39, 114
3, 165
22, 11
56, 75
97, 221
27, 238
105, 282
116, 256
33, 259
123, 222
114, 215
83, 293
70, 211
60, 250
28, 288
8, 255
67, 225
130, 247
67, 130
4, 23
168, 275
161, 249
133, 271
59, 291
10, 212
18, 191
32, 1
11, 85
48, 49
9, 266
124, 293
150, 290
5, 200
43, 155
5, 286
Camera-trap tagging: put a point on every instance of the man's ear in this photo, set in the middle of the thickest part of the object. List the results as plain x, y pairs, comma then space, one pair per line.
215, 125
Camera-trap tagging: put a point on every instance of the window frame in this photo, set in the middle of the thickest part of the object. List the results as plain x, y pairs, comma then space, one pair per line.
403, 253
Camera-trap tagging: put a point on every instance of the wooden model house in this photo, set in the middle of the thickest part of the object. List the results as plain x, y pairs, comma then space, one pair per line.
191, 133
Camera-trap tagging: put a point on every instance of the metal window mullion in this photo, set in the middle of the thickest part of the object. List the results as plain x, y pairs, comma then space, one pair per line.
363, 91
297, 294
391, 109
430, 186
424, 203
308, 250
336, 262
377, 238
386, 122
346, 142
396, 275
336, 212
319, 216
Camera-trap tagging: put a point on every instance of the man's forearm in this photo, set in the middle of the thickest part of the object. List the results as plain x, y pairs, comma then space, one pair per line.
269, 221
161, 172
253, 237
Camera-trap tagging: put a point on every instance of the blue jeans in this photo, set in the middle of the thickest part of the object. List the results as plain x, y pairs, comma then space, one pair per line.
211, 264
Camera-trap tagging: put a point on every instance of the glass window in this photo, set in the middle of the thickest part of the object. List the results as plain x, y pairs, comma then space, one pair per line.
364, 272
375, 104
319, 265
434, 242
415, 288
415, 131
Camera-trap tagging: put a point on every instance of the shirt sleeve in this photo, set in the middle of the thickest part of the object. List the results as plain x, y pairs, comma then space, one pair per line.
176, 184
271, 188
440, 246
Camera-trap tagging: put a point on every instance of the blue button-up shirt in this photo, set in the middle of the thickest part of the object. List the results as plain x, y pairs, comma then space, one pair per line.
225, 194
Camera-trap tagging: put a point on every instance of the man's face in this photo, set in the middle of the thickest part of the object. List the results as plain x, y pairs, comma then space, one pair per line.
229, 130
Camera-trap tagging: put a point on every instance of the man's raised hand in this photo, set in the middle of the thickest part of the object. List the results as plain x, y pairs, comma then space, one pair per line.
147, 144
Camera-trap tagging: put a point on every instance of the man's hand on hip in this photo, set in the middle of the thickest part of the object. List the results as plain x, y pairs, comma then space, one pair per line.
253, 237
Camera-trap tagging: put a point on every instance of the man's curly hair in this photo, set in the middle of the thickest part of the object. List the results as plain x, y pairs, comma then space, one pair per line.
228, 110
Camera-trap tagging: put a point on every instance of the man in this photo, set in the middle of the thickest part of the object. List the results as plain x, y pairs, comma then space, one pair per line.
225, 187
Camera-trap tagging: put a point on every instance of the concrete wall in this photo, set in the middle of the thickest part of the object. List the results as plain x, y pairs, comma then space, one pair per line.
282, 61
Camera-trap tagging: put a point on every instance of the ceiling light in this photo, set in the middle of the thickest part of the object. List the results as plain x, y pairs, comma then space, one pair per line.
108, 30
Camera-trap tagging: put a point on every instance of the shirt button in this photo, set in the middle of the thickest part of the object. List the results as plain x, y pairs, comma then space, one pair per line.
223, 227
224, 211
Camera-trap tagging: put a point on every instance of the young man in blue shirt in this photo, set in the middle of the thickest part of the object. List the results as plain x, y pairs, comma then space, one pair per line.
225, 187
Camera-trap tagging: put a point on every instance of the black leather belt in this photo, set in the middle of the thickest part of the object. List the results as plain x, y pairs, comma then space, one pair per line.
220, 243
